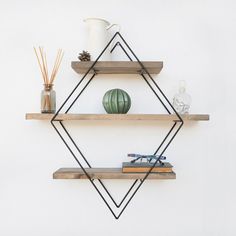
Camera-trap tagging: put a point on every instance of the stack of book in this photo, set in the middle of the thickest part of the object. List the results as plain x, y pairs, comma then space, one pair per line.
144, 167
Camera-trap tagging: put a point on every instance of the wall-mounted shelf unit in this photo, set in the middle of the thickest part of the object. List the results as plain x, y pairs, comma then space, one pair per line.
113, 117
117, 67
107, 173
142, 69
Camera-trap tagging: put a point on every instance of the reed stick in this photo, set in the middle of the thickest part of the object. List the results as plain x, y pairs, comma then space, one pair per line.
46, 66
43, 62
55, 65
40, 66
60, 56
43, 65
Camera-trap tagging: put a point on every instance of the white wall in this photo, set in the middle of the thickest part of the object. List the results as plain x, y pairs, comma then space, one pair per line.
196, 41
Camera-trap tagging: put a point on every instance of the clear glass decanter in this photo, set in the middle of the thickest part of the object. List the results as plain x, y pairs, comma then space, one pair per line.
182, 100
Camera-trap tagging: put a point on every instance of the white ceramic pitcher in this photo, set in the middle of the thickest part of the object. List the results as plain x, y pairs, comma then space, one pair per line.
98, 38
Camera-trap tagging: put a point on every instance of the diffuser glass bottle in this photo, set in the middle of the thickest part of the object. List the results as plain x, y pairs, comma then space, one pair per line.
48, 99
48, 95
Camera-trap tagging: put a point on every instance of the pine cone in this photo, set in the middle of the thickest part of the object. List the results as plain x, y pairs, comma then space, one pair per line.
84, 56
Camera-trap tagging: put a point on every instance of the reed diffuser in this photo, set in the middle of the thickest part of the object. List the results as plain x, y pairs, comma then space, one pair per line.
48, 95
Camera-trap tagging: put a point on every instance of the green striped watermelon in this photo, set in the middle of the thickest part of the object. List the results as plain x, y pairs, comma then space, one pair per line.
116, 101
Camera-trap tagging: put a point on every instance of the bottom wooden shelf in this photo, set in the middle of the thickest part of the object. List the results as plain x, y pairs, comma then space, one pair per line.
106, 173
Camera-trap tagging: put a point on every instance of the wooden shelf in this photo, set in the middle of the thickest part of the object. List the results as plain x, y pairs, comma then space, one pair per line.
133, 117
106, 173
117, 67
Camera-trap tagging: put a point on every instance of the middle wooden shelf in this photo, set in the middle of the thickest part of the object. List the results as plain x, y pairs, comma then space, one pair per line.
133, 117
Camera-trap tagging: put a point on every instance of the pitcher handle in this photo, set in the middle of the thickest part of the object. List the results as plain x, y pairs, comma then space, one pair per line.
110, 26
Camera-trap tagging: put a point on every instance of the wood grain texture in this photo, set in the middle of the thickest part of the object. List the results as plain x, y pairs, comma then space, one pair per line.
133, 117
117, 67
106, 173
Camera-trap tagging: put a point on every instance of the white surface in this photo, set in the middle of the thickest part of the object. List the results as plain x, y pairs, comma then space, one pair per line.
98, 37
196, 41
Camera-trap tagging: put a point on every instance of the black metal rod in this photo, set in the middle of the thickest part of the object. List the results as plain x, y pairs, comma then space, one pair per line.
87, 175
147, 174
162, 143
117, 205
168, 132
80, 93
155, 93
78, 149
180, 118
119, 44
142, 66
63, 104
126, 195
100, 181
76, 146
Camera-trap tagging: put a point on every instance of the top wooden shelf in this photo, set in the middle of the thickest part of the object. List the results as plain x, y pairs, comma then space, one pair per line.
117, 67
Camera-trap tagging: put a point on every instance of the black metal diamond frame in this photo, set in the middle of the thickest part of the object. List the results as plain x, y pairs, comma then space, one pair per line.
64, 134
